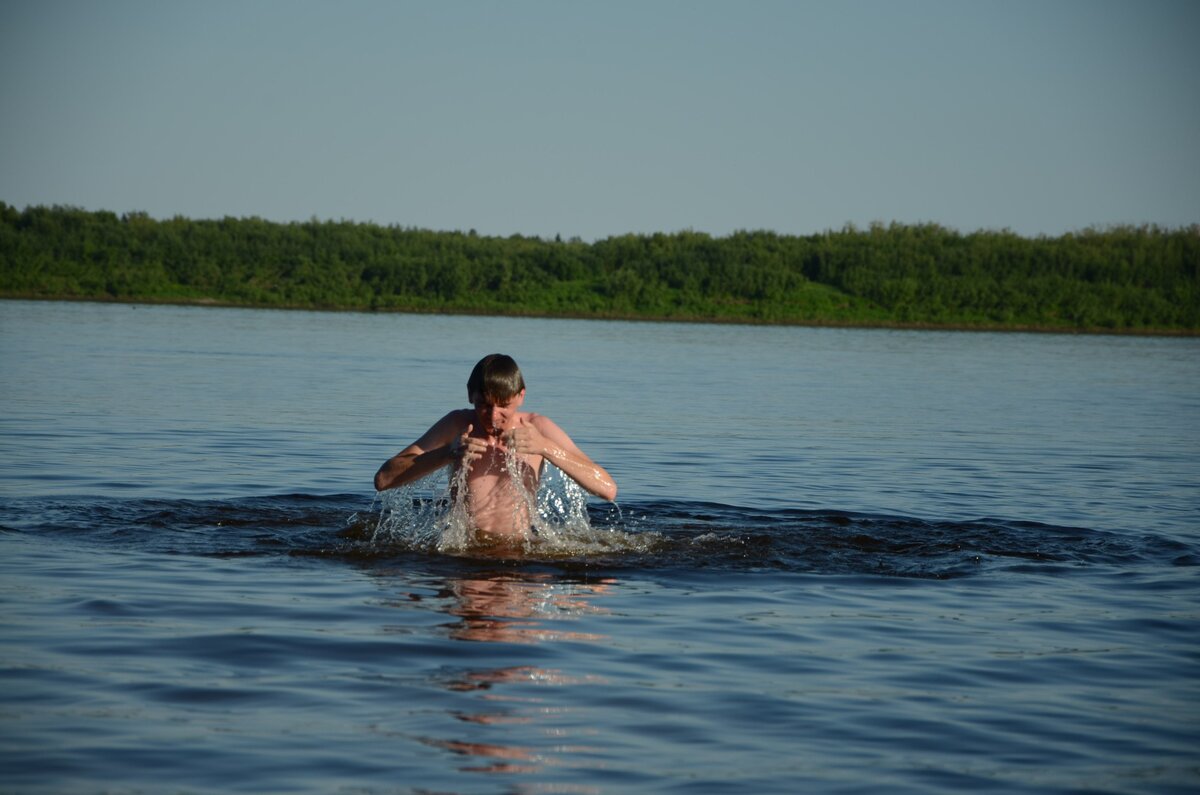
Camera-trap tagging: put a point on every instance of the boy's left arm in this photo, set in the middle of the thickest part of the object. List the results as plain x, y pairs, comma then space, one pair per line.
538, 435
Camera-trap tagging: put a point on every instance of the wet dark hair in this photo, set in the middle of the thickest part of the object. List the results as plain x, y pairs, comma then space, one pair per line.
496, 378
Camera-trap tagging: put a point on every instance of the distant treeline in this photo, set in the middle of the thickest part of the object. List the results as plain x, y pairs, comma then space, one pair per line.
1114, 279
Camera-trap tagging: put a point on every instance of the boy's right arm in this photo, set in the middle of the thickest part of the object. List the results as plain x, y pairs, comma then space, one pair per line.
439, 446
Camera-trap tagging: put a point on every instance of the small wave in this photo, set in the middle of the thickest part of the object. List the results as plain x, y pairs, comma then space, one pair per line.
640, 535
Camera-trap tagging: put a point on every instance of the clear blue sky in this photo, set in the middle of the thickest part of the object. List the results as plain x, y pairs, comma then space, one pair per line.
598, 118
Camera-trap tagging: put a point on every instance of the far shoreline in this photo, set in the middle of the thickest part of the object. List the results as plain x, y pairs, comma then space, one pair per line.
624, 317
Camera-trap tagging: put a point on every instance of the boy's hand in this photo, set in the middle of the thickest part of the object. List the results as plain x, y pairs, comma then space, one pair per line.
467, 448
526, 439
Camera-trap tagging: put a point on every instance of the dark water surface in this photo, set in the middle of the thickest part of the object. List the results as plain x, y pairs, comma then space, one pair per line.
842, 561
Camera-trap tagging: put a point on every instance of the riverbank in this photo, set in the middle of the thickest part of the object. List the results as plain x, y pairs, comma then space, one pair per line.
1141, 280
628, 317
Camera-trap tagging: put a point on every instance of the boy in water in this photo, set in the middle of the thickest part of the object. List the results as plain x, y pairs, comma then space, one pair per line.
499, 487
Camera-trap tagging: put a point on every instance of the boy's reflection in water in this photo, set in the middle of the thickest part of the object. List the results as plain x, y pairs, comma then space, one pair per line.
516, 607
512, 607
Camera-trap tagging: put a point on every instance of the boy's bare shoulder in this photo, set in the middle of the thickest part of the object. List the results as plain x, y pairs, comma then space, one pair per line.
459, 419
453, 423
546, 425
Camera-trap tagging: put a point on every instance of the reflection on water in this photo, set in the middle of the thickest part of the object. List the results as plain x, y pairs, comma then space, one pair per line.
513, 607
522, 608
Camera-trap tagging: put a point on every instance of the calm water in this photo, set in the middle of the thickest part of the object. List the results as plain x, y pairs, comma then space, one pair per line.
842, 561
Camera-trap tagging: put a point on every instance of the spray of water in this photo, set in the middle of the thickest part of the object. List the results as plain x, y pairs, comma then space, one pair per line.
433, 515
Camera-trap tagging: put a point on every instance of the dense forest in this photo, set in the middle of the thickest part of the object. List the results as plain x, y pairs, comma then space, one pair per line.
1123, 279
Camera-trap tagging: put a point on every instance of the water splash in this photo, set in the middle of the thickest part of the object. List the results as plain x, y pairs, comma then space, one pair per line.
432, 516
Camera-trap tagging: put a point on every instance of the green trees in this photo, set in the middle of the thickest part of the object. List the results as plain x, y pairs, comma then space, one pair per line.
1119, 278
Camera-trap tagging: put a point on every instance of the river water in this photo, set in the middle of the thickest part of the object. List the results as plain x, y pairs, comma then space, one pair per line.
845, 561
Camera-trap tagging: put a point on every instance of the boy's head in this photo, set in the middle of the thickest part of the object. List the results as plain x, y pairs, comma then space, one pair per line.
496, 379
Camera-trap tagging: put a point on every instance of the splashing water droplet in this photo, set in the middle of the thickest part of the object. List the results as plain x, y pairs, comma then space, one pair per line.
433, 516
